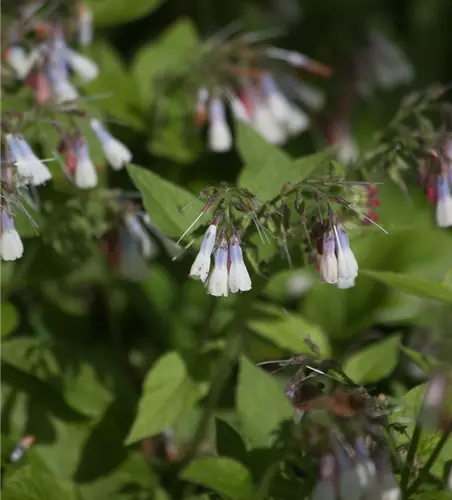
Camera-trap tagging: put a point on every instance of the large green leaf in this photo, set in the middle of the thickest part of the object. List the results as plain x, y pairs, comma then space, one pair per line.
289, 331
374, 362
267, 168
168, 392
70, 372
261, 404
109, 13
221, 474
414, 285
164, 202
162, 57
34, 483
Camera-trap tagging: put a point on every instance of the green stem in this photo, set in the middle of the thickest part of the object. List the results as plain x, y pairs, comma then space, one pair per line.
410, 456
431, 460
230, 355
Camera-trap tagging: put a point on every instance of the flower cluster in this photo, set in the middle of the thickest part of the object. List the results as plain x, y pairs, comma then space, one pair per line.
39, 54
351, 473
256, 84
229, 273
336, 262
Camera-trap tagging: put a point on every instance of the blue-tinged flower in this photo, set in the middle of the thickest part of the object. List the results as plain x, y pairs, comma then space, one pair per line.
217, 284
239, 278
116, 152
443, 202
201, 266
85, 175
11, 247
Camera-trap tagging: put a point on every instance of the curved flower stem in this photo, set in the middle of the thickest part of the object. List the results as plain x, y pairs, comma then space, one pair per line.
230, 355
431, 460
410, 457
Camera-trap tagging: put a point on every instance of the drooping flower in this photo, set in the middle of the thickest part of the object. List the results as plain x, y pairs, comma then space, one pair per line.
11, 247
239, 278
364, 465
265, 123
217, 283
201, 266
147, 247
239, 110
325, 488
85, 176
29, 166
328, 265
346, 260
18, 60
116, 153
85, 67
286, 113
219, 133
85, 24
443, 202
350, 487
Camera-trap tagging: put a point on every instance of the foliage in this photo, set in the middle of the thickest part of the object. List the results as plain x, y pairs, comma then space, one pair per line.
122, 378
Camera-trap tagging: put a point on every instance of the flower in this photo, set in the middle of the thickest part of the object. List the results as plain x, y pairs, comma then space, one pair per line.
265, 123
11, 247
219, 134
350, 486
201, 105
200, 268
18, 60
146, 245
364, 465
29, 166
325, 487
292, 119
85, 175
85, 67
116, 153
443, 202
132, 264
217, 284
328, 266
85, 24
239, 110
239, 278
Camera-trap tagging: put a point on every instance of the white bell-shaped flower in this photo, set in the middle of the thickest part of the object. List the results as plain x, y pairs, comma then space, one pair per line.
239, 110
349, 481
85, 176
85, 67
328, 265
29, 166
146, 245
297, 121
217, 284
85, 25
219, 133
266, 124
278, 104
201, 266
116, 153
364, 466
239, 278
64, 91
11, 247
18, 60
444, 202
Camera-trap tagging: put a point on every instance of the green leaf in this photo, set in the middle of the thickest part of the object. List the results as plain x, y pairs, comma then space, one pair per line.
375, 362
221, 474
164, 202
110, 13
289, 331
426, 363
168, 392
261, 404
413, 285
33, 483
267, 168
9, 318
160, 58
70, 372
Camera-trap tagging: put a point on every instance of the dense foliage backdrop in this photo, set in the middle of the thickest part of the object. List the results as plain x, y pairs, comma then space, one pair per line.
131, 380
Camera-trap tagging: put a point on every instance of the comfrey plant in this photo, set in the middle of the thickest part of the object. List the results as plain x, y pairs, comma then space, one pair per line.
323, 207
37, 55
257, 83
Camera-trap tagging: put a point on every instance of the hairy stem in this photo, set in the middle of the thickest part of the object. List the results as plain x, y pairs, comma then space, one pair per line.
410, 456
